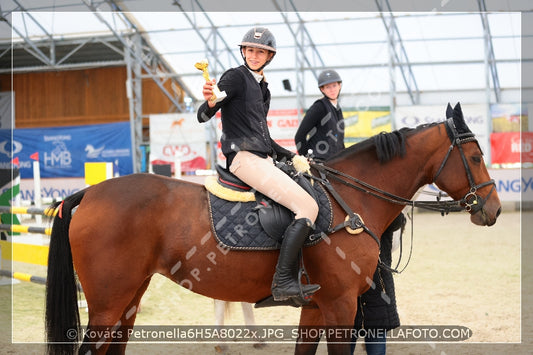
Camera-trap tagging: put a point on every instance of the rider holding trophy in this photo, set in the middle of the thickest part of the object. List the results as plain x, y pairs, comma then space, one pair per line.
243, 97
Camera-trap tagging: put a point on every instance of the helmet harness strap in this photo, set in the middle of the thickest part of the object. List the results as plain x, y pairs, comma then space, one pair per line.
259, 69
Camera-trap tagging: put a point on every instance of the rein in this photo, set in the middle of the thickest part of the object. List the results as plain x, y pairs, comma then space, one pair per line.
471, 202
353, 220
439, 206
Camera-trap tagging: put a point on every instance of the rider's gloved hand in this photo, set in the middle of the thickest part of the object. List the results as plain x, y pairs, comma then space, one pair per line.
301, 164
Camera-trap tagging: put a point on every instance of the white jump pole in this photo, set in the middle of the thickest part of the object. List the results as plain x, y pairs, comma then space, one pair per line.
37, 188
177, 164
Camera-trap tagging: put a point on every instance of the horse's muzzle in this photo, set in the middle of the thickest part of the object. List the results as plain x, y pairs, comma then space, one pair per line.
485, 216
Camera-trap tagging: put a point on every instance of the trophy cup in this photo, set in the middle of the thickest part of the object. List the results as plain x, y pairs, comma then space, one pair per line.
217, 94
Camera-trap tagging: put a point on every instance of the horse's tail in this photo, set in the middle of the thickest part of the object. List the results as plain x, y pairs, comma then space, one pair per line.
62, 319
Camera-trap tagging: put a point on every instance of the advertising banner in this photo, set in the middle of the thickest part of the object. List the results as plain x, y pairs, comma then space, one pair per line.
511, 185
63, 151
511, 147
509, 118
475, 117
282, 125
360, 125
178, 137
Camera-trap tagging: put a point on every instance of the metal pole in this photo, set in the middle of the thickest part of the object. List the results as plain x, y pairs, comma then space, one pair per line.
134, 92
486, 46
392, 75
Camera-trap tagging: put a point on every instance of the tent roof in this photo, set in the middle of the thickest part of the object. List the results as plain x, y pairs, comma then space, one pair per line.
428, 50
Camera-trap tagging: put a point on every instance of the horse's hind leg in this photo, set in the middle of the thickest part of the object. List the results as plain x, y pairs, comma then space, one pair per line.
249, 321
248, 313
107, 331
118, 346
221, 309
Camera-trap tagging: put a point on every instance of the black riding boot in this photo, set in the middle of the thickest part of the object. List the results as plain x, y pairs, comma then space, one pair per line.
285, 283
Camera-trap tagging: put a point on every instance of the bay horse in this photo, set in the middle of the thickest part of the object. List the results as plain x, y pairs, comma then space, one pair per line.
126, 229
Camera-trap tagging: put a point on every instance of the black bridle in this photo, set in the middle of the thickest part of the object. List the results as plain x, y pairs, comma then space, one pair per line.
472, 202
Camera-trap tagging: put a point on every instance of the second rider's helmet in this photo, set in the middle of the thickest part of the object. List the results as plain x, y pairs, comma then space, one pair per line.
327, 77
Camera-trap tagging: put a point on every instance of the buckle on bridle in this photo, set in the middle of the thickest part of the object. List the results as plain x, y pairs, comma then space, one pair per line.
474, 204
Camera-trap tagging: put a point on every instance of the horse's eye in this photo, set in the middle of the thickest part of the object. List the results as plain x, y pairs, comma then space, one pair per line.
476, 159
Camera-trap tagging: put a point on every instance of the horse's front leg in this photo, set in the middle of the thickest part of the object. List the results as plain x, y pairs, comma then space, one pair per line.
339, 320
309, 330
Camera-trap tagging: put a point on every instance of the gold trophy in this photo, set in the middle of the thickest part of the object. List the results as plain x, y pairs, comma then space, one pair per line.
217, 94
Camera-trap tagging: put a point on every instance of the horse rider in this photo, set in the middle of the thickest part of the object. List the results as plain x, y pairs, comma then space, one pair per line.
322, 128
250, 151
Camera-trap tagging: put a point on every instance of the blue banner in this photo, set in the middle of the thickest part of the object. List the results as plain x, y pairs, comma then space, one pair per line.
63, 151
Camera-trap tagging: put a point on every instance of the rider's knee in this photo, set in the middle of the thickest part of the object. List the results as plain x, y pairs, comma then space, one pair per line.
308, 209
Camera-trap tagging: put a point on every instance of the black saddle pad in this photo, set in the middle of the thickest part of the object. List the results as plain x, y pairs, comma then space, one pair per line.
236, 225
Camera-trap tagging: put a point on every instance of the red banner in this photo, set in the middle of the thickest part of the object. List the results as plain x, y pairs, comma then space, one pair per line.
511, 147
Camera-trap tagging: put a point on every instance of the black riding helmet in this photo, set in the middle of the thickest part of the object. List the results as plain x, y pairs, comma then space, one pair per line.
258, 37
327, 77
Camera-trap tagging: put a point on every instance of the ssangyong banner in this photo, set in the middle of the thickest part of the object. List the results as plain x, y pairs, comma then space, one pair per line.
178, 137
63, 151
475, 117
511, 185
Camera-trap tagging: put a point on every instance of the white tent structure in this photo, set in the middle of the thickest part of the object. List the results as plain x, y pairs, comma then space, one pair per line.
387, 54
411, 56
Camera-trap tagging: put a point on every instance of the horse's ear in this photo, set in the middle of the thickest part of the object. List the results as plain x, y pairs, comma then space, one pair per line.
449, 111
459, 120
458, 112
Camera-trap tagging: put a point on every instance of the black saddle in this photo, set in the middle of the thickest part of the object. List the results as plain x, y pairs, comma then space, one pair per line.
227, 179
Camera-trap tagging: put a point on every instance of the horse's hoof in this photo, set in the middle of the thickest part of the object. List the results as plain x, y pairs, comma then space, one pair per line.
260, 345
221, 349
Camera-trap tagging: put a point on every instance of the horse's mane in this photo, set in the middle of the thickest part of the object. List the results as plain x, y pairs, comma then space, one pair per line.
386, 145
390, 145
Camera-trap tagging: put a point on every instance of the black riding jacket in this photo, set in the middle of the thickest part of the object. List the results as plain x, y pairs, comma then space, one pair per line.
376, 307
322, 130
244, 116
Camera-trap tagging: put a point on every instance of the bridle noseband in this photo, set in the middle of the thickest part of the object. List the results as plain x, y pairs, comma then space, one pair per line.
472, 202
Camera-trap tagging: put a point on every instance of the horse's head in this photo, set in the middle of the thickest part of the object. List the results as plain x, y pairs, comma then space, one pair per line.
476, 191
